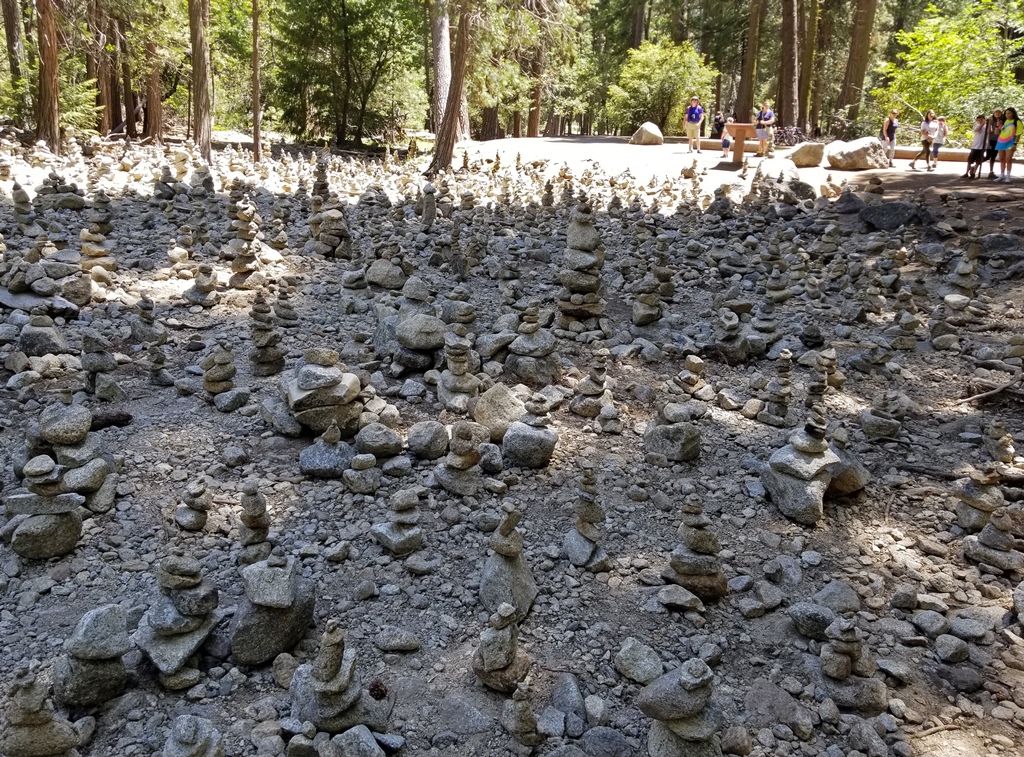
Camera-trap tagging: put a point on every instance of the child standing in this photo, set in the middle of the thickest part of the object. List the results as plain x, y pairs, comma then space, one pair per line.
979, 144
726, 138
929, 128
939, 141
1006, 145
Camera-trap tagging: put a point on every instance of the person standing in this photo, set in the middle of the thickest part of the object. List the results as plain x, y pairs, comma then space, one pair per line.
694, 118
995, 125
717, 125
940, 139
1006, 144
979, 142
889, 134
929, 128
765, 125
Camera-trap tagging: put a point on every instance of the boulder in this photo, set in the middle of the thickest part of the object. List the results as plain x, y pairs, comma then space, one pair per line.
889, 216
858, 155
647, 134
807, 154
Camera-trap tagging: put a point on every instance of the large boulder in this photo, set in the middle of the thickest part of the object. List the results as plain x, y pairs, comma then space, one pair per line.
647, 134
808, 154
858, 155
890, 215
779, 179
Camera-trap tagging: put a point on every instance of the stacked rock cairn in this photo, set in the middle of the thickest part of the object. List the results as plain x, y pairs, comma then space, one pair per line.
266, 356
253, 525
529, 442
91, 671
580, 302
532, 358
192, 736
695, 564
506, 576
498, 662
97, 250
98, 363
581, 542
798, 475
177, 624
246, 248
203, 291
459, 472
192, 513
320, 391
685, 719
33, 728
983, 508
401, 534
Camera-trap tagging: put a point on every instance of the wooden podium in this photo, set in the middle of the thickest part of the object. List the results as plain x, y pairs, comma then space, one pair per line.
740, 133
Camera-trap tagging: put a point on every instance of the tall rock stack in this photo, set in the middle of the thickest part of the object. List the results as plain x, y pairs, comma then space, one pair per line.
581, 542
498, 662
459, 472
592, 394
329, 692
457, 385
33, 728
798, 474
401, 534
146, 329
983, 506
695, 564
275, 613
246, 248
24, 213
99, 363
580, 302
266, 356
685, 720
779, 392
91, 671
529, 442
219, 370
254, 525
506, 576
532, 358
330, 232
97, 250
177, 624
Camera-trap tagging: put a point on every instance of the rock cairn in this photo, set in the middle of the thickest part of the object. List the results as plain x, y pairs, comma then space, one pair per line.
982, 508
91, 671
98, 363
518, 719
532, 358
457, 385
498, 662
219, 369
884, 419
580, 302
695, 564
177, 624
778, 393
798, 475
158, 373
401, 534
998, 442
146, 329
246, 247
253, 525
33, 728
685, 720
530, 442
98, 251
506, 576
459, 472
317, 392
24, 213
581, 542
592, 393
329, 692
330, 231
276, 611
673, 436
203, 291
192, 513
192, 736
845, 654
266, 356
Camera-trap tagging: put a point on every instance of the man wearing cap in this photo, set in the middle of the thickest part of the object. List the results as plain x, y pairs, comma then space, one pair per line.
694, 118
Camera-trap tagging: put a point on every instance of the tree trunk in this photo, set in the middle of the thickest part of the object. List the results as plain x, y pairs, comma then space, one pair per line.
16, 60
257, 110
100, 64
444, 144
347, 66
808, 57
517, 125
533, 118
489, 127
126, 75
202, 118
787, 109
153, 120
638, 24
441, 58
851, 93
48, 102
113, 74
745, 94
829, 10
463, 132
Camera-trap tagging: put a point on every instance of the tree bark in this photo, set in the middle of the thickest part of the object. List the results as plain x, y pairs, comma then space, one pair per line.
153, 120
113, 75
533, 118
808, 57
441, 59
98, 59
198, 13
851, 94
787, 109
48, 101
638, 24
257, 109
517, 125
16, 60
748, 72
828, 11
489, 127
126, 75
444, 144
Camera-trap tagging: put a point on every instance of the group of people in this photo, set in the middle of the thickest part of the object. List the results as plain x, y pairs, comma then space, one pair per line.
994, 138
764, 122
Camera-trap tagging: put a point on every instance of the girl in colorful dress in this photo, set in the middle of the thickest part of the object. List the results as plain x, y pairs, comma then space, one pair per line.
1006, 144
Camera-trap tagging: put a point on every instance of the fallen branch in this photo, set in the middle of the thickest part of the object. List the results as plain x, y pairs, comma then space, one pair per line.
933, 472
936, 729
1001, 388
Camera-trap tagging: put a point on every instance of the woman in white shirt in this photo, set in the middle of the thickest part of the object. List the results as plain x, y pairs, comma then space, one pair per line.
929, 130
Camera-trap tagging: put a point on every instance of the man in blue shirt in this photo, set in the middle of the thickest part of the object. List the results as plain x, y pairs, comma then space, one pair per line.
694, 118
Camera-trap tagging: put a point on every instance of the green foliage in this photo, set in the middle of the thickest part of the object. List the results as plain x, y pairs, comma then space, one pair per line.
656, 83
958, 64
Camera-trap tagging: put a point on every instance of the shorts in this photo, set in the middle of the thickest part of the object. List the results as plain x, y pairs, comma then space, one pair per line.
1007, 146
692, 130
976, 156
764, 134
725, 144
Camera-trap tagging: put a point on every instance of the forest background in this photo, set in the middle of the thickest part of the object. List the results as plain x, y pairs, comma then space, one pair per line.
364, 72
